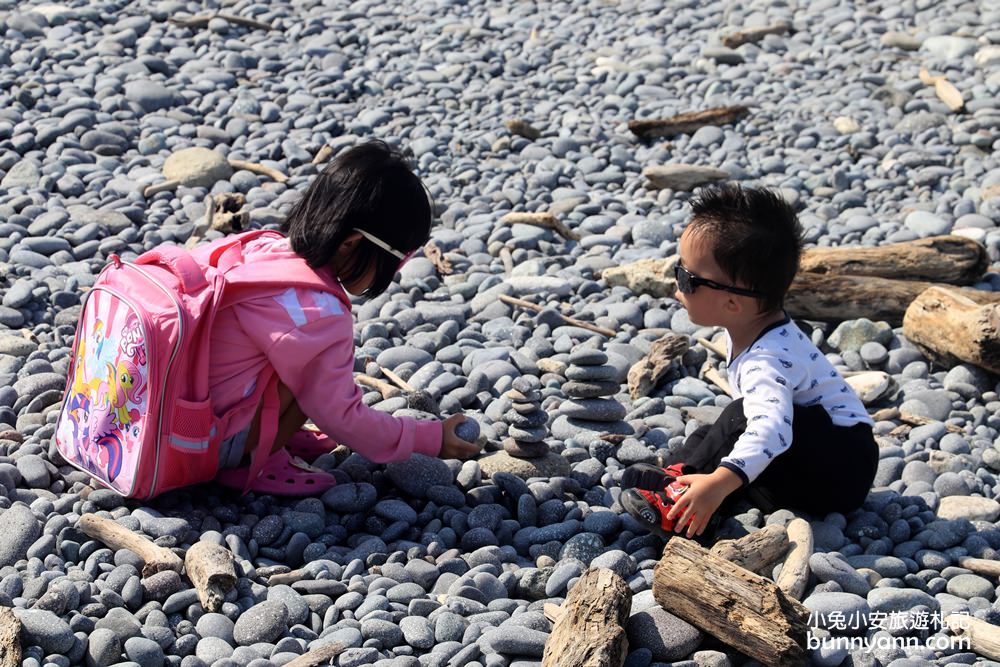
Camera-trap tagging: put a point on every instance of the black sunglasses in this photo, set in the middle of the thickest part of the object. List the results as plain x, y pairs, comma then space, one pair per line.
688, 282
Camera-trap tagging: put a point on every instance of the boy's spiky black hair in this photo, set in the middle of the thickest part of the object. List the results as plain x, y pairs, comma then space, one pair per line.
369, 187
755, 236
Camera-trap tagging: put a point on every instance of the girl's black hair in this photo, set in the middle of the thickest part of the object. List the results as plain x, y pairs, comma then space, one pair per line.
755, 237
369, 187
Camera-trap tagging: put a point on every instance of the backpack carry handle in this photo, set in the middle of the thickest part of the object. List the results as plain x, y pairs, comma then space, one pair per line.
179, 263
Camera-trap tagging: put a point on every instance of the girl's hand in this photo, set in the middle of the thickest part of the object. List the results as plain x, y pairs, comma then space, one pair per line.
452, 446
704, 495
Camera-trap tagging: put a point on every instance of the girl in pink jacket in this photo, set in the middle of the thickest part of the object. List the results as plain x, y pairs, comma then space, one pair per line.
287, 355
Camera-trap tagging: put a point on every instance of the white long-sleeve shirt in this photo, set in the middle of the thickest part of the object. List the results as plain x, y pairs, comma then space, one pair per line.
782, 368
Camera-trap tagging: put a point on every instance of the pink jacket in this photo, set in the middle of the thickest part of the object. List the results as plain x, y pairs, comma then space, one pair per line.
307, 338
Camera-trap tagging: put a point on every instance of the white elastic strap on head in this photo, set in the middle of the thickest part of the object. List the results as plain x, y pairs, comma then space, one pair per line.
380, 243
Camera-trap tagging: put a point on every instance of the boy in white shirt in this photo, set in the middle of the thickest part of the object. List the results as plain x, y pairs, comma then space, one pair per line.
795, 435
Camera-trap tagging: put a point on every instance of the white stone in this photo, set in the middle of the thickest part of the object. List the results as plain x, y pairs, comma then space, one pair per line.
969, 507
988, 55
846, 125
870, 386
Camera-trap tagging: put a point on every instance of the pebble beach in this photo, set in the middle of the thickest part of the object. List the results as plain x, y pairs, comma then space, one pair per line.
503, 107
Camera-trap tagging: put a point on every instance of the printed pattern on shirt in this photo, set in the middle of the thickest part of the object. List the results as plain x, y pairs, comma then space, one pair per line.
305, 306
783, 369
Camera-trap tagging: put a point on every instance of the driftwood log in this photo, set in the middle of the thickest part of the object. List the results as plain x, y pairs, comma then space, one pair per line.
117, 536
955, 260
736, 606
754, 35
522, 128
10, 638
686, 123
224, 212
794, 575
590, 628
953, 328
646, 373
441, 263
983, 637
202, 20
210, 568
836, 298
756, 552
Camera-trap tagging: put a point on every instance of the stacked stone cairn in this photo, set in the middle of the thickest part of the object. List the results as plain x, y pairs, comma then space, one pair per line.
526, 421
525, 451
590, 410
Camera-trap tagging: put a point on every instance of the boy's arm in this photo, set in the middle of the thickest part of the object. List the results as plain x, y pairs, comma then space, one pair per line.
702, 499
768, 382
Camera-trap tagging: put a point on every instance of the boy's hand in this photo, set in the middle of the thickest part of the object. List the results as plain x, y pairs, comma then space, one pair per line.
452, 446
704, 495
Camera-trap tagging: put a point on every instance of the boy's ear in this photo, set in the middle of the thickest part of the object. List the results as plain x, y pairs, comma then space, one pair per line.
732, 305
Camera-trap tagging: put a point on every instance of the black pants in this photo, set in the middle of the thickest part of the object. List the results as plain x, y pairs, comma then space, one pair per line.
826, 469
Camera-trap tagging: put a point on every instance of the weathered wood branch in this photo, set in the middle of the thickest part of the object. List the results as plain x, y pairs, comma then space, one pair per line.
10, 638
687, 122
323, 655
323, 154
794, 575
645, 374
117, 536
756, 552
944, 89
441, 263
261, 169
754, 35
572, 321
990, 568
740, 608
984, 638
210, 568
955, 260
383, 387
951, 327
590, 631
202, 20
541, 219
711, 373
398, 381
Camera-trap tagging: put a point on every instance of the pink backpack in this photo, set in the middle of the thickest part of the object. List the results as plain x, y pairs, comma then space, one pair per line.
136, 413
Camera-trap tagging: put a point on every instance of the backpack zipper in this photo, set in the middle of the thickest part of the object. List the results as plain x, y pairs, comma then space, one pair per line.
170, 363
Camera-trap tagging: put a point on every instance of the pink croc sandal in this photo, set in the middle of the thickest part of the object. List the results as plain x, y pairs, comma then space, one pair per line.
309, 444
282, 475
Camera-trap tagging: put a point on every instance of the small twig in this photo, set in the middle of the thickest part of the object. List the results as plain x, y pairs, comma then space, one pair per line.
542, 219
753, 35
398, 381
386, 389
437, 258
202, 20
687, 122
318, 656
160, 187
713, 375
713, 347
572, 321
507, 259
259, 169
323, 154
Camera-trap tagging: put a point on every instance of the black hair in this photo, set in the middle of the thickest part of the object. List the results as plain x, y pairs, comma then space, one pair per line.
755, 237
369, 187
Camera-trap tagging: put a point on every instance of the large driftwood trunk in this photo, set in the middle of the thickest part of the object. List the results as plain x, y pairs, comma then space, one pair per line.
954, 328
590, 629
757, 551
742, 609
814, 296
955, 260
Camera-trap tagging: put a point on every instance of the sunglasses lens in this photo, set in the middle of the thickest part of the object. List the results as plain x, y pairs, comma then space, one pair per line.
683, 279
